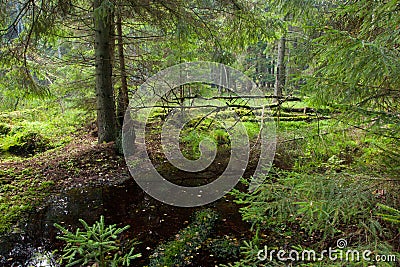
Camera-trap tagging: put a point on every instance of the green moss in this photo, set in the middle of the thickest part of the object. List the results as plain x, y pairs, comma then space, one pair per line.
27, 143
31, 131
4, 129
252, 128
226, 247
221, 136
19, 193
180, 251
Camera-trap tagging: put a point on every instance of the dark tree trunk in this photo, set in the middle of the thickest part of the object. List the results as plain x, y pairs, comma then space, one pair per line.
123, 100
104, 86
280, 68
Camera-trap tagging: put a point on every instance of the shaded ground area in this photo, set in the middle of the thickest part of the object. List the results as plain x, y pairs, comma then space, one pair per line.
90, 180
83, 161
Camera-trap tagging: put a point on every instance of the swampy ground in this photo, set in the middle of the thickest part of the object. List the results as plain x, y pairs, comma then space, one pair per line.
84, 180
329, 181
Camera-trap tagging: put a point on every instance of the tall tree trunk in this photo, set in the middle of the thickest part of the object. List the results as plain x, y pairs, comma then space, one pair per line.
271, 72
123, 100
280, 68
104, 86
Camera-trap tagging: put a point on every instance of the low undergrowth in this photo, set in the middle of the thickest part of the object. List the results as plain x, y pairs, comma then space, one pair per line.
331, 182
19, 194
97, 245
31, 131
294, 211
181, 250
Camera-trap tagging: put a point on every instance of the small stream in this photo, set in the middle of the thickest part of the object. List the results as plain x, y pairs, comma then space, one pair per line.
122, 203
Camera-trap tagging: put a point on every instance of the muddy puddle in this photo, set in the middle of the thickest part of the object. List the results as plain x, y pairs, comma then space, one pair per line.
122, 203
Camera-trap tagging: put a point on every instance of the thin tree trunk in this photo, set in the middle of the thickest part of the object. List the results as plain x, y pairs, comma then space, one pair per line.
271, 72
123, 100
280, 68
124, 121
104, 87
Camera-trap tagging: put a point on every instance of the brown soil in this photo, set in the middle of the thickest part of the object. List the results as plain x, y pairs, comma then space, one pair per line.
84, 162
81, 162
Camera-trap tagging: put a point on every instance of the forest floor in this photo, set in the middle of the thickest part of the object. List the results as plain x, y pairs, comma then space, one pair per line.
85, 164
83, 161
95, 180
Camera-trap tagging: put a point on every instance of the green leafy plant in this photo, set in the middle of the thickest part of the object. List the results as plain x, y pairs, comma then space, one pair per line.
96, 244
317, 204
391, 214
334, 164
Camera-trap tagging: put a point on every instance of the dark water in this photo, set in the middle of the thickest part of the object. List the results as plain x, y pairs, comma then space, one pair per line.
122, 203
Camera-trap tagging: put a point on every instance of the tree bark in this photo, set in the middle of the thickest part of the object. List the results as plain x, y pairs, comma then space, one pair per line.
104, 87
124, 121
123, 99
280, 68
271, 72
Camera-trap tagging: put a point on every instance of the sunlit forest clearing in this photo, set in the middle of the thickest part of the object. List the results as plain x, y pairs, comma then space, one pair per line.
298, 99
